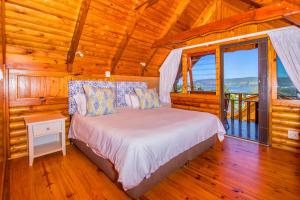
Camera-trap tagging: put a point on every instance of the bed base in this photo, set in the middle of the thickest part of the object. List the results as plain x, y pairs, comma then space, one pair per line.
108, 168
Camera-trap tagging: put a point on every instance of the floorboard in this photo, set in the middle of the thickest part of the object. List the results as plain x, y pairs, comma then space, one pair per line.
234, 169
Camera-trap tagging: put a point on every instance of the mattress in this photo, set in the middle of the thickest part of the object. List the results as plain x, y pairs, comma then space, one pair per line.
138, 142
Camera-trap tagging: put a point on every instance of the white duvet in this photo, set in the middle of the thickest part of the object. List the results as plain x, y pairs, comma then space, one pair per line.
138, 142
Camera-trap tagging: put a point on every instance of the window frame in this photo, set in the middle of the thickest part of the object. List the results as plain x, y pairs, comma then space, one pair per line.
190, 70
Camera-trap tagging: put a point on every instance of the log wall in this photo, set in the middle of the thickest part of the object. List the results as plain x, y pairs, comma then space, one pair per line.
285, 114
2, 104
39, 34
196, 102
284, 118
40, 92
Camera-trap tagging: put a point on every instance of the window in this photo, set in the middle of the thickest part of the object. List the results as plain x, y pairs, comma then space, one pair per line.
285, 87
203, 73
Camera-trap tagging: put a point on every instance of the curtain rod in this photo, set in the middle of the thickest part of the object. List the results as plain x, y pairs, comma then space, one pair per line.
236, 38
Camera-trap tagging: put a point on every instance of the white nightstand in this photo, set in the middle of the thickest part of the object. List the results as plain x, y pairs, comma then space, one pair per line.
46, 134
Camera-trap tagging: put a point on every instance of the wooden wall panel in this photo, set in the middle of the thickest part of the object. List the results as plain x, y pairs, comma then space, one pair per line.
197, 102
284, 118
285, 114
3, 131
40, 92
38, 33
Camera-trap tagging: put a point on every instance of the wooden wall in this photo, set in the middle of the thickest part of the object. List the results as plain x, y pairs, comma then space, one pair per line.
39, 34
285, 114
2, 106
32, 92
197, 102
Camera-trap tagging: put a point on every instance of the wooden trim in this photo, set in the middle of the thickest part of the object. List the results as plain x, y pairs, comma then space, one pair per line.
264, 14
77, 32
202, 53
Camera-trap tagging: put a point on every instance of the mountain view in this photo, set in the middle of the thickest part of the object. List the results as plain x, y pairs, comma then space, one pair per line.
286, 88
241, 85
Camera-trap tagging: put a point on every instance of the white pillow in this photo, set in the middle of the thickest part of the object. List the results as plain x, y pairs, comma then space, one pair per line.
135, 103
128, 100
80, 100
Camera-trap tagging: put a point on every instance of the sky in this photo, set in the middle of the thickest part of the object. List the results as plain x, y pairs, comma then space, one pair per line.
239, 64
280, 69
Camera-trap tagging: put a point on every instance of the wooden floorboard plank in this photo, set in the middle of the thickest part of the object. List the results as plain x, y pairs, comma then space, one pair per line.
234, 169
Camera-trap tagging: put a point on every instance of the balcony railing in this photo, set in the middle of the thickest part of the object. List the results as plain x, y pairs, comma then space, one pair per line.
241, 106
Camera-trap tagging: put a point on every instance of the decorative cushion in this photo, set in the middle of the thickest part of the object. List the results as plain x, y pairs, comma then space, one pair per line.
128, 100
135, 103
100, 101
148, 98
80, 100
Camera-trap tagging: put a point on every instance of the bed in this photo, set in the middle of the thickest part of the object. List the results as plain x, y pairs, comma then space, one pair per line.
137, 148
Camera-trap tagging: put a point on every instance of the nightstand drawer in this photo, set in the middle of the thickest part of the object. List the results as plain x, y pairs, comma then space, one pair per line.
47, 128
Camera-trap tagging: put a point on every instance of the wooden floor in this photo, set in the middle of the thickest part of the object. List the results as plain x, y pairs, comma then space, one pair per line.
232, 170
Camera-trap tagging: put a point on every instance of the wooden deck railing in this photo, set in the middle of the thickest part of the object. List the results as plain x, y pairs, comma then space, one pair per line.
247, 106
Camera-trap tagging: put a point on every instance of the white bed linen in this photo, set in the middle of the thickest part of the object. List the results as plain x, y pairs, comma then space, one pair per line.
138, 142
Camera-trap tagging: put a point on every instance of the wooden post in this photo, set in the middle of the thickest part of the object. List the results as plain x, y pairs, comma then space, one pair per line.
256, 112
248, 111
184, 73
240, 107
232, 109
189, 60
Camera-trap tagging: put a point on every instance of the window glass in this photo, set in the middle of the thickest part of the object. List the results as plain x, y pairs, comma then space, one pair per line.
285, 87
204, 73
179, 84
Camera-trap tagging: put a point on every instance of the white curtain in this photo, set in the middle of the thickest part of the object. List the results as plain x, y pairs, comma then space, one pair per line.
168, 72
286, 43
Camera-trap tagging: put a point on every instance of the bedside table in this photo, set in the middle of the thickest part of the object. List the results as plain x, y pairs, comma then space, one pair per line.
46, 134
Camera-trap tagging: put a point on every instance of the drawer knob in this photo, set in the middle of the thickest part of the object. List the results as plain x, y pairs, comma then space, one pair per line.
47, 129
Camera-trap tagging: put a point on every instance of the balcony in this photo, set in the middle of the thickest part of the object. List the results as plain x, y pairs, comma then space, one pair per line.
241, 115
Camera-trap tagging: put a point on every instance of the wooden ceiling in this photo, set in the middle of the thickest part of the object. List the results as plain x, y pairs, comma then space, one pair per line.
115, 35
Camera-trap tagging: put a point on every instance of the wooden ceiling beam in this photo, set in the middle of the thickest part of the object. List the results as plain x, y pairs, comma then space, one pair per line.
264, 14
252, 3
148, 3
181, 7
293, 19
206, 14
84, 8
128, 33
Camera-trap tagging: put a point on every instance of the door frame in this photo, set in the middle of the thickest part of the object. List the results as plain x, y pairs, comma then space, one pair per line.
262, 139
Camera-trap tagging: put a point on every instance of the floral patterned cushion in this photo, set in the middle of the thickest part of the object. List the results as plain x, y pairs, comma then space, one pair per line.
100, 101
148, 98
